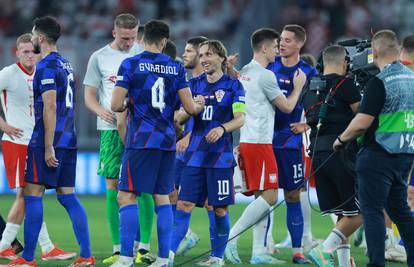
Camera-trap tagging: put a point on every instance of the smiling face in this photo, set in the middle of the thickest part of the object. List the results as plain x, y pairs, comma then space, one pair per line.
210, 61
289, 44
124, 38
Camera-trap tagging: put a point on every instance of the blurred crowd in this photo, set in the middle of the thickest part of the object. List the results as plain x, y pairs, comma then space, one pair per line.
327, 19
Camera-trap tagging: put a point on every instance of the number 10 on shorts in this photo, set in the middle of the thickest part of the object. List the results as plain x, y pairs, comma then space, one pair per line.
223, 188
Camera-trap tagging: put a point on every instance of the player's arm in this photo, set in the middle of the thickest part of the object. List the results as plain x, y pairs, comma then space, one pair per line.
183, 143
119, 101
191, 106
92, 104
4, 126
121, 124
49, 121
287, 104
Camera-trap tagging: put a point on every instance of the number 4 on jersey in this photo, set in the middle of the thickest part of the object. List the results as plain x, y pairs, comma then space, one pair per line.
157, 94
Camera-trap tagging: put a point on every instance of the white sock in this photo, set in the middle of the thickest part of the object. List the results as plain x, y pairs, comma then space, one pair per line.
162, 261
117, 248
135, 249
335, 238
344, 255
389, 234
334, 218
306, 211
45, 243
251, 214
269, 237
189, 232
144, 246
9, 234
259, 237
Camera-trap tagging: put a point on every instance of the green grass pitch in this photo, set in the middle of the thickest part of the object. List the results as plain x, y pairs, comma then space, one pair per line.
61, 232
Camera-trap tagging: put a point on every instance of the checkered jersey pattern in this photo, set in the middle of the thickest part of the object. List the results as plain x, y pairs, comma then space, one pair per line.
54, 72
220, 97
152, 81
283, 137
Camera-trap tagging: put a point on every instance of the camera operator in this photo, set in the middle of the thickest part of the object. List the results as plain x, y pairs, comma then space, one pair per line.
336, 178
386, 117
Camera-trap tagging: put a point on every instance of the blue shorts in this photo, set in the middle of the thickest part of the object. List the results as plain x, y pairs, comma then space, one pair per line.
213, 184
290, 168
37, 172
178, 170
147, 171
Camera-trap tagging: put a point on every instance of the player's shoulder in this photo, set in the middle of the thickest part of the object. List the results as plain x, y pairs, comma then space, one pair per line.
199, 79
307, 68
10, 69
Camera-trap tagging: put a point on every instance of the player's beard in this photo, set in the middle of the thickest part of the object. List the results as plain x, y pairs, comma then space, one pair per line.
191, 64
36, 48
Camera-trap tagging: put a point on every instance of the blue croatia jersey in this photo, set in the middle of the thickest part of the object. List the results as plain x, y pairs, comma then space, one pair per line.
152, 81
54, 72
223, 98
283, 137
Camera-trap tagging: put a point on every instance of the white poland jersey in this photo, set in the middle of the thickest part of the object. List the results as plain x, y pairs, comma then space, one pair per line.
101, 73
261, 89
16, 86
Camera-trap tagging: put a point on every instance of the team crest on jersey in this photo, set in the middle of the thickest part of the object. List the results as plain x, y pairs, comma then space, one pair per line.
219, 95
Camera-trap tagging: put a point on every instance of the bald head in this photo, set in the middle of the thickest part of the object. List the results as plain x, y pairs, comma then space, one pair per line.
385, 44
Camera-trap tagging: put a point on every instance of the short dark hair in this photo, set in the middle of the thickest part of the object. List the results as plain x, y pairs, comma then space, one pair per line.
155, 31
196, 41
218, 48
334, 54
308, 58
126, 21
261, 35
170, 49
48, 26
140, 34
299, 31
408, 43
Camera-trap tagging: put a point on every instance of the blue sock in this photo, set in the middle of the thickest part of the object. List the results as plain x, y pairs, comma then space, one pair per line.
164, 229
79, 220
32, 224
180, 228
223, 231
174, 209
213, 231
138, 236
128, 228
294, 221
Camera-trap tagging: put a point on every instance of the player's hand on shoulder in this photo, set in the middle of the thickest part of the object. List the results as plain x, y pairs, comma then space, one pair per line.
299, 79
50, 157
107, 115
214, 134
231, 63
11, 131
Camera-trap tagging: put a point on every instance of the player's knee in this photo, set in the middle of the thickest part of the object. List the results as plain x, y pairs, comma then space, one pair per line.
111, 184
411, 196
185, 206
292, 196
270, 196
220, 211
33, 190
126, 198
173, 197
